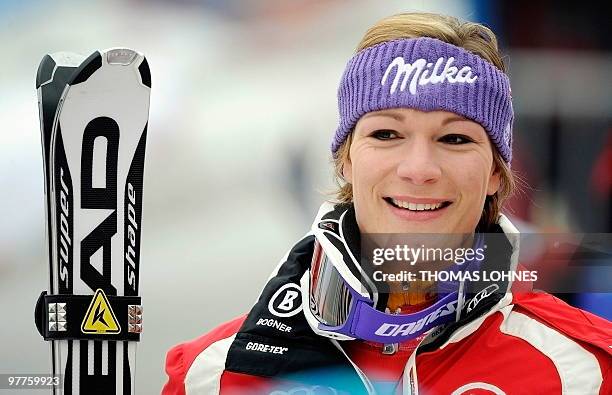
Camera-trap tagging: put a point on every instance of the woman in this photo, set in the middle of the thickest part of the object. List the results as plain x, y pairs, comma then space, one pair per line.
424, 145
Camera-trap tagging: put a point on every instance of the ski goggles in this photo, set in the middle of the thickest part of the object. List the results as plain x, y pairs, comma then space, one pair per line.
341, 309
343, 305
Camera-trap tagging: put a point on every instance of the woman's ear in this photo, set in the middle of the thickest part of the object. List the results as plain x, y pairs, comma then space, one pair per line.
347, 171
494, 181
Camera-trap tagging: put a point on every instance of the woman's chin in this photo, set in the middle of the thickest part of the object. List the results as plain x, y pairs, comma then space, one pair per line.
420, 228
404, 221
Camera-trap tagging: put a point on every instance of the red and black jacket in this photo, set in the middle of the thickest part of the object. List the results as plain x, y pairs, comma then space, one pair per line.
510, 343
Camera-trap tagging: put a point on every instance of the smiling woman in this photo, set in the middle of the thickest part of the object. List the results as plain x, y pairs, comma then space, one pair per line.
423, 146
493, 202
478, 40
419, 171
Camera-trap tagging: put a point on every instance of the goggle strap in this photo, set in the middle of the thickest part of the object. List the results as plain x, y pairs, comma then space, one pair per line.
374, 325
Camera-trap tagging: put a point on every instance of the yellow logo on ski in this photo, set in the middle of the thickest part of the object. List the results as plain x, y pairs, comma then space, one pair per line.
100, 318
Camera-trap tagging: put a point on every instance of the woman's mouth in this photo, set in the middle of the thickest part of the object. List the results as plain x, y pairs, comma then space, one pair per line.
417, 209
414, 206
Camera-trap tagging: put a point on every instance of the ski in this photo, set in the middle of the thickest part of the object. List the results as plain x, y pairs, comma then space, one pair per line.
94, 117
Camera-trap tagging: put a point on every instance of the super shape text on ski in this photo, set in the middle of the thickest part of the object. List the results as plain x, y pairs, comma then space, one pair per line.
94, 118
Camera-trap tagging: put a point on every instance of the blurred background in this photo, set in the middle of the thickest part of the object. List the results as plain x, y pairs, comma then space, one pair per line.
243, 108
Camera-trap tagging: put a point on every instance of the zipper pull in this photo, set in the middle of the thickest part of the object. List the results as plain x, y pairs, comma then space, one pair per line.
390, 349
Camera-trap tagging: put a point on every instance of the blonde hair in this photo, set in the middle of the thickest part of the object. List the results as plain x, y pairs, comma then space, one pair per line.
475, 38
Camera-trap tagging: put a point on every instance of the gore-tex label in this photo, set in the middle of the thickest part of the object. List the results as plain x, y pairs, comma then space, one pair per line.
266, 348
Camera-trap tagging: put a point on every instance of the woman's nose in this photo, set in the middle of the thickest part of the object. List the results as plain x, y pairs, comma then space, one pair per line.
418, 164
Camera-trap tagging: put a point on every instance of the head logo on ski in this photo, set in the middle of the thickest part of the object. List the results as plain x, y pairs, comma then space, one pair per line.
94, 116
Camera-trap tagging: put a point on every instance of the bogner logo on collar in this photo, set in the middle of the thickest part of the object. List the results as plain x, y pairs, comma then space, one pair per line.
420, 72
286, 301
411, 327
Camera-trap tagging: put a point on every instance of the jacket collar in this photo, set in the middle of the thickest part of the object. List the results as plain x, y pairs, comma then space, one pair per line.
276, 340
481, 298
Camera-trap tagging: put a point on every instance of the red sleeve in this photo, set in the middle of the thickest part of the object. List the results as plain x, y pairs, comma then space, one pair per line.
175, 370
606, 386
571, 321
592, 332
180, 357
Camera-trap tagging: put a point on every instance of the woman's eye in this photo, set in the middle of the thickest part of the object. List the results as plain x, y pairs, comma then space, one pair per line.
456, 139
384, 134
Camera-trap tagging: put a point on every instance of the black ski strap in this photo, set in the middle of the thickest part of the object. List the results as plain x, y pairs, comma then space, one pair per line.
88, 317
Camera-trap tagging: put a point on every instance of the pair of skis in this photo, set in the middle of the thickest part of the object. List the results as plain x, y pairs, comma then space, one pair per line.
93, 119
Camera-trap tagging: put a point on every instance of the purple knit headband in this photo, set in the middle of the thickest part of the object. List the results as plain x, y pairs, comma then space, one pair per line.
426, 74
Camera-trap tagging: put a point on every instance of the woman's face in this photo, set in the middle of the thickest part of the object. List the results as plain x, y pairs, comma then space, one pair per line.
419, 172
